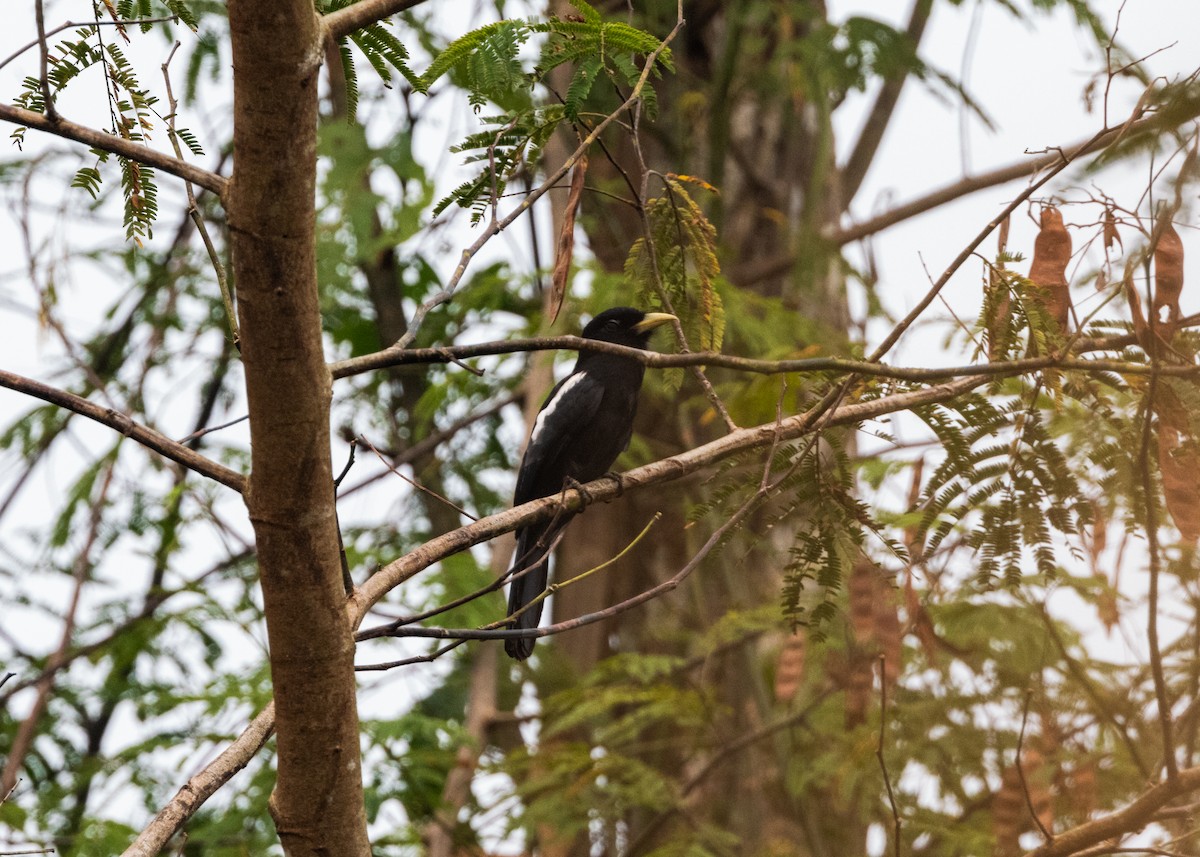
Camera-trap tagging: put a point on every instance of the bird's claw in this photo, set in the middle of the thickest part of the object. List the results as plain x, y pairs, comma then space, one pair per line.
578, 486
617, 478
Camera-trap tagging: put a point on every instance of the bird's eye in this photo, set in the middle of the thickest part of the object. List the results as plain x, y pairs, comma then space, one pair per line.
611, 324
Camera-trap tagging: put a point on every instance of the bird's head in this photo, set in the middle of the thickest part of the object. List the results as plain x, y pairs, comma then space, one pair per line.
625, 326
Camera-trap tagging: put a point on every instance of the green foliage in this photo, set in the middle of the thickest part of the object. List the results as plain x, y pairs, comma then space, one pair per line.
676, 266
1002, 463
486, 63
133, 112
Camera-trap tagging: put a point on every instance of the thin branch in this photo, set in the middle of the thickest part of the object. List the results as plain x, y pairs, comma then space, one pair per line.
664, 470
1099, 699
432, 441
67, 25
1061, 161
1025, 169
238, 754
414, 483
887, 779
194, 209
726, 752
44, 62
1149, 496
345, 21
147, 437
199, 433
1033, 813
393, 357
171, 819
1129, 819
22, 741
116, 145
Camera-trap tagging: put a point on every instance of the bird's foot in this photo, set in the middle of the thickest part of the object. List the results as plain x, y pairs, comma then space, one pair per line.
617, 478
571, 482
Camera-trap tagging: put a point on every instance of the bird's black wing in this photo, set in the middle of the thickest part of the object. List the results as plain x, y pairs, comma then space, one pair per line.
569, 410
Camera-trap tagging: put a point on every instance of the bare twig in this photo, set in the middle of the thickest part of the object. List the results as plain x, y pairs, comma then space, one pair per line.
887, 779
392, 357
44, 62
196, 435
194, 209
198, 789
147, 437
1037, 819
1149, 496
67, 25
414, 483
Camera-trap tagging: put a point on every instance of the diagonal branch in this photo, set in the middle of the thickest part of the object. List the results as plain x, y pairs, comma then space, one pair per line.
171, 819
871, 136
1023, 169
116, 145
147, 437
664, 470
345, 21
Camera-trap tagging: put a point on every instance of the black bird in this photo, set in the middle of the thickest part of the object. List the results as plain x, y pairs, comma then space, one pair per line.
584, 425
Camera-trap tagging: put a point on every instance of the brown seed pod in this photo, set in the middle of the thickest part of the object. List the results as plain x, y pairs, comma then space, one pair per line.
1051, 255
1179, 463
789, 667
566, 240
1168, 283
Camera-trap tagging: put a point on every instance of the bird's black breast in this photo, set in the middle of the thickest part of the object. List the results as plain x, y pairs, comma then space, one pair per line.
581, 429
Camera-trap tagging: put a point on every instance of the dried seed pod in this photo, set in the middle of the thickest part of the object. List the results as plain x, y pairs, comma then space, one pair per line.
1179, 463
1111, 235
862, 589
1108, 609
566, 240
1168, 282
789, 667
1098, 533
858, 691
1051, 255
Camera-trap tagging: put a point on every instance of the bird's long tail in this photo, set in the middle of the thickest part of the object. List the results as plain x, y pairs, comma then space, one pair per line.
533, 549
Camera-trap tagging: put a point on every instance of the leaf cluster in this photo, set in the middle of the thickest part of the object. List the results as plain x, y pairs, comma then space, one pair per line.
675, 265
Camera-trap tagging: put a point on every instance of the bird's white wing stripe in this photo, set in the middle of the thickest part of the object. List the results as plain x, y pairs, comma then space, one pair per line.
548, 410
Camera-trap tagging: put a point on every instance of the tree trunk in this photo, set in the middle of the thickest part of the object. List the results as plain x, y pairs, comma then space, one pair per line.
318, 801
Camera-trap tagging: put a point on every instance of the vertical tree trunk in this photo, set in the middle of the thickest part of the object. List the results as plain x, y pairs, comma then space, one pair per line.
317, 804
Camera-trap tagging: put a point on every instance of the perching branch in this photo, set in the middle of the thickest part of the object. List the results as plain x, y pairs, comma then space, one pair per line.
116, 145
192, 796
147, 437
405, 357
